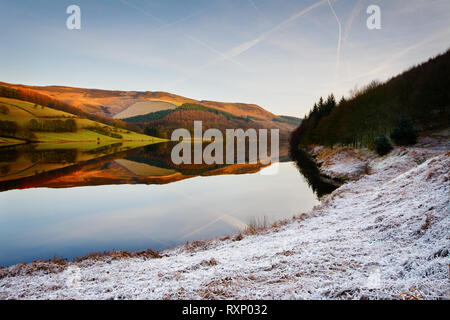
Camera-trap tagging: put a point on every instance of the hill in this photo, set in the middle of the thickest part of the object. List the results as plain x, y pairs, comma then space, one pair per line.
416, 100
165, 121
164, 111
22, 121
108, 103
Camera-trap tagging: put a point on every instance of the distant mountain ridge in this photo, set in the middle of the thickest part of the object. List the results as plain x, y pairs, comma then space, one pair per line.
109, 103
160, 110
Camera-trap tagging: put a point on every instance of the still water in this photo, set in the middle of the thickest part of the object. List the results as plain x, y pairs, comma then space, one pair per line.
69, 202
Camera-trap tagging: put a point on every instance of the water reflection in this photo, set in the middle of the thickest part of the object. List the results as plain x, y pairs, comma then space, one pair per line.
76, 199
308, 168
62, 166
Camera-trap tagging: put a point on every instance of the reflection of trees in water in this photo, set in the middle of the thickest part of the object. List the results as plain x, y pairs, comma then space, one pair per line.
156, 155
8, 155
29, 151
308, 168
108, 149
53, 156
44, 176
37, 179
4, 169
160, 155
158, 148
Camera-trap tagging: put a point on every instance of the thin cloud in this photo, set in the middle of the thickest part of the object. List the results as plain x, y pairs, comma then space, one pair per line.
338, 49
148, 14
354, 13
357, 8
220, 54
254, 6
186, 18
243, 47
402, 53
240, 49
167, 25
263, 16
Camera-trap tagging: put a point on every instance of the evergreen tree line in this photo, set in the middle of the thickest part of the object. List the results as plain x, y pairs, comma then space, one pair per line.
418, 100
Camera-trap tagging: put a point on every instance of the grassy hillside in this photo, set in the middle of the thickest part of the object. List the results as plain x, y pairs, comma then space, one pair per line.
161, 111
416, 100
20, 93
23, 121
110, 104
287, 119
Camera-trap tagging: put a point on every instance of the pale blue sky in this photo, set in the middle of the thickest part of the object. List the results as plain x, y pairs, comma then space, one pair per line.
282, 55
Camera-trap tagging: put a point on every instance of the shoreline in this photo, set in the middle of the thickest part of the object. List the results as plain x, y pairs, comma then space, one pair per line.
338, 250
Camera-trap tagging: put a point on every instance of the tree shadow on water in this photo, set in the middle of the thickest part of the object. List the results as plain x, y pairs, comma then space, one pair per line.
308, 168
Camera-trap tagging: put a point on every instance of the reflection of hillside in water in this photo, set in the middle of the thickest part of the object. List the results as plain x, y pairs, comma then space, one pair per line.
68, 165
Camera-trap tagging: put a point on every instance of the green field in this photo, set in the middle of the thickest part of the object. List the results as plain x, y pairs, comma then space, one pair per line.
21, 112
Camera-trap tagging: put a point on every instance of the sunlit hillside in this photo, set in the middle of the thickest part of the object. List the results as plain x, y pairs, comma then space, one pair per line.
23, 121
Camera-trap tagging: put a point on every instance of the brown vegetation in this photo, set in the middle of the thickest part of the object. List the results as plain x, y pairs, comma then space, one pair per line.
58, 264
107, 103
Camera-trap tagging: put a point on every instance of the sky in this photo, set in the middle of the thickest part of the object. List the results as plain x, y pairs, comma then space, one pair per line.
280, 54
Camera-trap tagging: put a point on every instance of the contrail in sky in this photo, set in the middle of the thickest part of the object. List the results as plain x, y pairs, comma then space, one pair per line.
215, 51
338, 50
401, 53
240, 49
142, 11
348, 25
166, 25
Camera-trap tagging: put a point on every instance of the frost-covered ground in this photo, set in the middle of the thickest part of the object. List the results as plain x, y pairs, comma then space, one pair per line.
342, 163
377, 237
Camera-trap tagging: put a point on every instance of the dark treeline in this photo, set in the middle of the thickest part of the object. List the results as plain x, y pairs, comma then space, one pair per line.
200, 107
157, 115
53, 156
104, 150
106, 131
185, 117
420, 96
163, 122
46, 101
68, 125
10, 129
